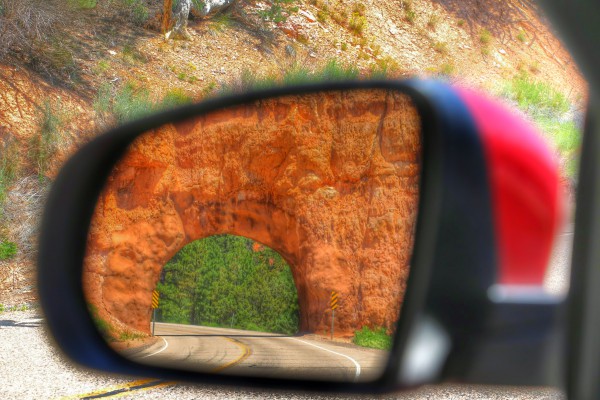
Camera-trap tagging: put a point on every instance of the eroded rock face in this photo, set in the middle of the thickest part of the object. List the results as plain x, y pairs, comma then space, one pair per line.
328, 181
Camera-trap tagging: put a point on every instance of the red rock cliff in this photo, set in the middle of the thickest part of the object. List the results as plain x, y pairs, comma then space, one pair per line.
330, 182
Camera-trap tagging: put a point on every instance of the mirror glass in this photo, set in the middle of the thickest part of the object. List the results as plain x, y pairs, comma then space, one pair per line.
266, 239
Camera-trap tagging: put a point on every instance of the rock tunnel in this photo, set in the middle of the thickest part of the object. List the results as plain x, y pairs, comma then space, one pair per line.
328, 181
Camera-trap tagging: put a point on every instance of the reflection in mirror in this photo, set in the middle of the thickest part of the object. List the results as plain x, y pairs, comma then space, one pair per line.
267, 239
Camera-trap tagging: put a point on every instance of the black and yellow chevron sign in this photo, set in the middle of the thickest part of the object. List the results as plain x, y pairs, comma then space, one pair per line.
155, 297
334, 300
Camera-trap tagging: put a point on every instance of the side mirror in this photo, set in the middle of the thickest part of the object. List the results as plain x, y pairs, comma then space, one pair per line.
411, 208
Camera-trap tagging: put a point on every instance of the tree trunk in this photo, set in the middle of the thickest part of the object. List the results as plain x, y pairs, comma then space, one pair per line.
167, 16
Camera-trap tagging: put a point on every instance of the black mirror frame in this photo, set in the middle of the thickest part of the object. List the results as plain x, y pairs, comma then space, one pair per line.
72, 200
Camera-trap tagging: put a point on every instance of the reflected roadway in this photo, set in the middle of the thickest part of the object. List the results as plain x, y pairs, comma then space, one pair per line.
234, 351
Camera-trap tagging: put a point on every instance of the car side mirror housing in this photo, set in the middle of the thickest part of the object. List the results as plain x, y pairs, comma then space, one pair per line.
415, 207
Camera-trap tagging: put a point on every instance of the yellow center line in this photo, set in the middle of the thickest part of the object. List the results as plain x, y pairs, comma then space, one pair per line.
148, 384
121, 390
246, 352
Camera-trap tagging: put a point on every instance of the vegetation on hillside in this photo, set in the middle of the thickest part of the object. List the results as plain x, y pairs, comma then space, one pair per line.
229, 281
111, 56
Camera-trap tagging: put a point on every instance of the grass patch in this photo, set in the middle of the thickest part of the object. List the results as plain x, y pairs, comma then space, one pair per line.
175, 97
9, 169
535, 96
547, 107
339, 16
279, 10
221, 22
335, 71
132, 56
566, 136
374, 338
409, 13
7, 250
22, 307
485, 37
102, 325
433, 20
441, 47
137, 10
83, 4
132, 101
357, 24
44, 144
296, 75
447, 69
102, 67
384, 68
129, 335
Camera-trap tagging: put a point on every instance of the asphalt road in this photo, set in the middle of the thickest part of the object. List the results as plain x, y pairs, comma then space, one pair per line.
251, 353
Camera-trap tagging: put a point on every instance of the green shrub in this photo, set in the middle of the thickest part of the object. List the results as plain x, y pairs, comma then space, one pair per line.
485, 36
374, 338
7, 250
357, 23
334, 71
138, 10
173, 98
441, 47
296, 75
384, 67
278, 11
535, 96
339, 16
131, 102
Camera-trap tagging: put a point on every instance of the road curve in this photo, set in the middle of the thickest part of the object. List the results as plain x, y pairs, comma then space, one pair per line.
232, 351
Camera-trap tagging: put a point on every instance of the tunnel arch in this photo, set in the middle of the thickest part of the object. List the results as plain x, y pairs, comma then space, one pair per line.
328, 181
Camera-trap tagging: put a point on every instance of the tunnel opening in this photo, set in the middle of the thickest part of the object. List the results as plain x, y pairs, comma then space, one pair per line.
229, 281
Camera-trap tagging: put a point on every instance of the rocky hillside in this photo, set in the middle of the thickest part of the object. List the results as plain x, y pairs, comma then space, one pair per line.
76, 70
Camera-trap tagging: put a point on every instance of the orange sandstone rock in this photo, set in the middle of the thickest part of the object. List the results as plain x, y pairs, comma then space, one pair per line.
328, 181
